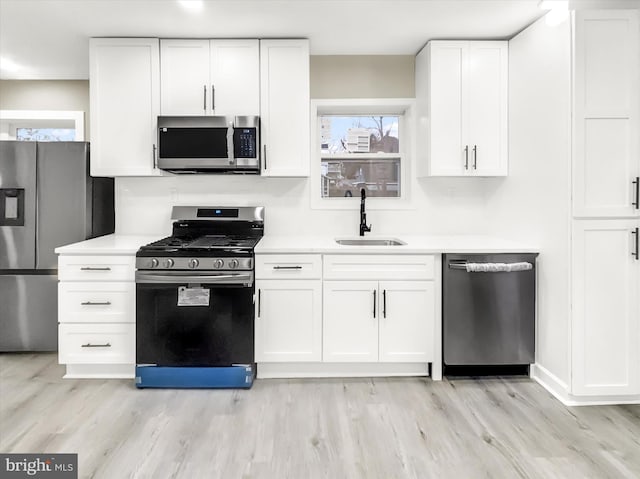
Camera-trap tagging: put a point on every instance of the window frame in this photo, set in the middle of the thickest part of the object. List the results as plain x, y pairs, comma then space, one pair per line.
11, 120
401, 107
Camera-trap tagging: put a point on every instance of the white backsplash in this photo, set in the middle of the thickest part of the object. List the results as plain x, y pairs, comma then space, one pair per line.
438, 205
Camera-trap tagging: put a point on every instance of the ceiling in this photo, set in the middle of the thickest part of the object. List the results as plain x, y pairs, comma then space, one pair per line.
49, 39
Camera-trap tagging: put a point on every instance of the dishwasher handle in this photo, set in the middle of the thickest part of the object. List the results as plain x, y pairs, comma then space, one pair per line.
491, 267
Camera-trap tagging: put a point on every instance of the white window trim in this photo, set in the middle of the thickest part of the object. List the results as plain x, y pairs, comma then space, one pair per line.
404, 107
10, 120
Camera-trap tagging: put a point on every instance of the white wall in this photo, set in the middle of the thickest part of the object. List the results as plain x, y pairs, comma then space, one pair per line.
533, 203
438, 206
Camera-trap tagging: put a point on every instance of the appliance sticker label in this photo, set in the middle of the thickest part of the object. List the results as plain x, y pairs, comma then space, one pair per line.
193, 296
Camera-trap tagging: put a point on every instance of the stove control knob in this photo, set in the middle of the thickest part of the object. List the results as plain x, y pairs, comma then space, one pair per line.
154, 263
193, 263
168, 263
217, 264
233, 264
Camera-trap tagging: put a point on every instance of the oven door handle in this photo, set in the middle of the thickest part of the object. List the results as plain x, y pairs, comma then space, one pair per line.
173, 278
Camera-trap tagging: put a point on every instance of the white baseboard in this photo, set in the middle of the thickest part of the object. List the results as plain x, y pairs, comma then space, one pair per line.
552, 383
560, 390
340, 370
100, 371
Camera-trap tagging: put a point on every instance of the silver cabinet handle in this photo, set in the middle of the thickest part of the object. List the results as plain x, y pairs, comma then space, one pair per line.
92, 268
466, 157
287, 267
89, 345
264, 154
636, 182
91, 303
475, 156
155, 162
213, 98
204, 98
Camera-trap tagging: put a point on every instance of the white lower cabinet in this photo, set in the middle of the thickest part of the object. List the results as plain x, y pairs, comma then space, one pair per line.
96, 314
288, 308
350, 325
347, 315
288, 320
371, 321
606, 308
406, 333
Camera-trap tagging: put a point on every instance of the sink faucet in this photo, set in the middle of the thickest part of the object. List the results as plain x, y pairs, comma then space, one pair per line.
363, 216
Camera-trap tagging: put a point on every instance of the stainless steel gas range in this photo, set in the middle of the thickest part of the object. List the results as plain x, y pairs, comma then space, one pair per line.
195, 300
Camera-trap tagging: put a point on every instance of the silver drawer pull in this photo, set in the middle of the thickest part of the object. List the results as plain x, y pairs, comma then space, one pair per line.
91, 268
91, 303
287, 267
89, 345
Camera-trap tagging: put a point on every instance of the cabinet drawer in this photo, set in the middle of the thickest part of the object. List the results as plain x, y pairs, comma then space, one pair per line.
96, 268
403, 267
92, 302
283, 266
96, 343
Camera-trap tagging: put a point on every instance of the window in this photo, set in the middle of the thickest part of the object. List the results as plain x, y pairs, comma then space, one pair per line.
45, 134
360, 152
361, 144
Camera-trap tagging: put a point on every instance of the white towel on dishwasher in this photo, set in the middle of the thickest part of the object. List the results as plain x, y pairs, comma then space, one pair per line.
498, 267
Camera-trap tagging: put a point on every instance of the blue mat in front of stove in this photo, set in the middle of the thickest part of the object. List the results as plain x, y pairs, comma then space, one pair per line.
231, 377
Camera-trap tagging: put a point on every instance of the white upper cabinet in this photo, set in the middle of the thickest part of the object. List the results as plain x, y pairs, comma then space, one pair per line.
284, 107
606, 156
461, 92
210, 77
124, 103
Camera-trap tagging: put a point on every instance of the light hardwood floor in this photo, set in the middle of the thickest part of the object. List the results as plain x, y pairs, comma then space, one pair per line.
323, 428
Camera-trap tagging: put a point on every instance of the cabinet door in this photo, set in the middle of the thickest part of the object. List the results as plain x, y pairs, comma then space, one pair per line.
606, 308
350, 321
447, 156
606, 156
284, 107
486, 108
407, 321
125, 101
185, 77
235, 77
288, 321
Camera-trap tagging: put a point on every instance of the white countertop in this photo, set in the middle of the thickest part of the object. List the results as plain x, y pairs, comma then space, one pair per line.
109, 245
414, 245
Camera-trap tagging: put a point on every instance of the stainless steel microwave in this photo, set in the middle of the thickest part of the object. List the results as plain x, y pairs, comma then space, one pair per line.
209, 144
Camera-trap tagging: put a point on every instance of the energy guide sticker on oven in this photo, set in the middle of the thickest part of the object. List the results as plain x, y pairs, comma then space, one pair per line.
193, 296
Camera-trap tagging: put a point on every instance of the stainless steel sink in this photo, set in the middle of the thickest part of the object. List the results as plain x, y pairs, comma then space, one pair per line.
369, 242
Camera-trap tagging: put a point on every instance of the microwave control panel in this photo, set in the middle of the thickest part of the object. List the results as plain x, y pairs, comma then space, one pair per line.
244, 142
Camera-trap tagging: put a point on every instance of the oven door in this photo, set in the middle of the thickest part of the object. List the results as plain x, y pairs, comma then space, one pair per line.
186, 319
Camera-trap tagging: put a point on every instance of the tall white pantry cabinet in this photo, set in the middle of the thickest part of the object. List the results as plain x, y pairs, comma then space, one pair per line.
605, 326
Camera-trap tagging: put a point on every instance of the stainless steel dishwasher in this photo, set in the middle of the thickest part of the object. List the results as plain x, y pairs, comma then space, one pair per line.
488, 307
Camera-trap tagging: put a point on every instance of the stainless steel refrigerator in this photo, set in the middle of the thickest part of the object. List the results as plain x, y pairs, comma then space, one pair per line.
47, 199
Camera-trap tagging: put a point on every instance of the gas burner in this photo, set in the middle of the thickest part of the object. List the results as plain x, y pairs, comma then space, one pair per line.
202, 242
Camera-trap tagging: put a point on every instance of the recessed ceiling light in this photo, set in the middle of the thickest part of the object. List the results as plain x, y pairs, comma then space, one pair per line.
9, 65
191, 5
